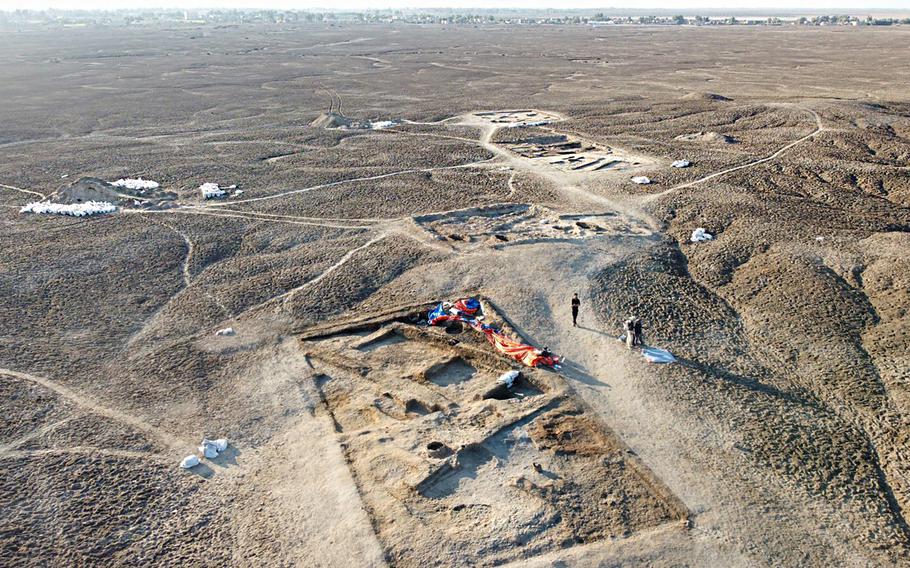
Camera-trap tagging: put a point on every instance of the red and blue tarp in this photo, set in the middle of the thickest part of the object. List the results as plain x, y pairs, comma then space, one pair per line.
469, 311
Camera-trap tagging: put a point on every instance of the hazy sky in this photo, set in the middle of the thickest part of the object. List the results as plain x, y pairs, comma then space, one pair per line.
682, 5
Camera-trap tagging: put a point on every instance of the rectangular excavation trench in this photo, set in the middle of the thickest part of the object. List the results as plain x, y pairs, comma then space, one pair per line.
464, 471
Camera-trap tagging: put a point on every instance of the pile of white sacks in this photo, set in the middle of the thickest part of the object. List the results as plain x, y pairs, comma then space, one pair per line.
137, 183
700, 235
209, 448
73, 209
211, 191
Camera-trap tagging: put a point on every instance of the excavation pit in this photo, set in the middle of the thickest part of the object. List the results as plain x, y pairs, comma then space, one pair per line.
461, 451
450, 373
510, 224
438, 450
518, 118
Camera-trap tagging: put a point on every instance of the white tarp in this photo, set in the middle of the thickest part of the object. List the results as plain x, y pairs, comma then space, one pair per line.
700, 235
655, 355
137, 183
641, 180
211, 191
74, 209
681, 164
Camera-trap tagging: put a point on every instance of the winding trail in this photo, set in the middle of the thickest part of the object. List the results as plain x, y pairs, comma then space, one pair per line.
284, 296
34, 434
96, 407
25, 191
346, 257
229, 213
84, 450
819, 127
187, 277
342, 182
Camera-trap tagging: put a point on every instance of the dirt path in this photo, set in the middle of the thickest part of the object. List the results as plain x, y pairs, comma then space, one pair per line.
25, 191
736, 508
229, 213
6, 449
88, 403
187, 277
284, 296
85, 450
819, 127
341, 182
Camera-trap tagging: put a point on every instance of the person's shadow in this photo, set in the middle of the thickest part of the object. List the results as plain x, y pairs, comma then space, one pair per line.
574, 371
598, 332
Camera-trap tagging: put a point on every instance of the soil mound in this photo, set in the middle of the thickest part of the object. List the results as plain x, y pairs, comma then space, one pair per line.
696, 96
88, 189
330, 120
708, 137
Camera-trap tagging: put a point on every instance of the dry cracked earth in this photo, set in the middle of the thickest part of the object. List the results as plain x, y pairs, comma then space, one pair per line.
361, 438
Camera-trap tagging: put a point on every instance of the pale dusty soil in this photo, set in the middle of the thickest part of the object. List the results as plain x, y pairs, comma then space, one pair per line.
781, 435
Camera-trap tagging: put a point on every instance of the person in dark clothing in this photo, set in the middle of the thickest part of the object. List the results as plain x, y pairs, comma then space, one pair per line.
637, 331
575, 304
629, 327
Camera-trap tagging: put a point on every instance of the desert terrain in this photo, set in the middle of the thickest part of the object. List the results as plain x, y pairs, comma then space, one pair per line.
375, 170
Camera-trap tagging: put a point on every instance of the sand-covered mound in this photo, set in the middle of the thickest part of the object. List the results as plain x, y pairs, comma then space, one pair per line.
88, 189
330, 120
697, 96
707, 137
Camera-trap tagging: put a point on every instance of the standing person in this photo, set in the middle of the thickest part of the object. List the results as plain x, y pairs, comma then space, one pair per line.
575, 304
629, 326
639, 340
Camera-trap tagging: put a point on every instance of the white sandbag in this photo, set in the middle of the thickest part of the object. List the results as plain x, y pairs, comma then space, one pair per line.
211, 191
137, 183
655, 355
189, 461
220, 444
508, 379
681, 164
208, 449
700, 235
72, 209
641, 180
225, 331
382, 124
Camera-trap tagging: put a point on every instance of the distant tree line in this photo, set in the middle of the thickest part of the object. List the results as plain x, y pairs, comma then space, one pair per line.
140, 17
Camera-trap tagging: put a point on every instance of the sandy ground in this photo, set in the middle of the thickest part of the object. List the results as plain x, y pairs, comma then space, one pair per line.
782, 431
